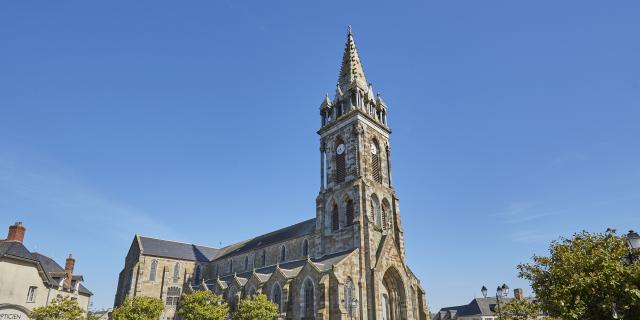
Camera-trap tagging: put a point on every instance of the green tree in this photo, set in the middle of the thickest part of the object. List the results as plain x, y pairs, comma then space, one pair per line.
203, 305
520, 309
256, 307
64, 309
139, 308
96, 314
586, 278
92, 315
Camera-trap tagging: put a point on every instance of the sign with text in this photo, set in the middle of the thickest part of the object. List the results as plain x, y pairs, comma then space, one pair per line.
12, 314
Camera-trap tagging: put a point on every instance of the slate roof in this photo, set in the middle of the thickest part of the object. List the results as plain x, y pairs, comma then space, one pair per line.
53, 268
481, 306
15, 249
477, 307
192, 252
176, 250
294, 231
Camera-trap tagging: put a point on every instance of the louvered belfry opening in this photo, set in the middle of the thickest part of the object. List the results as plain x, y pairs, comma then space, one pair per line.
341, 170
349, 212
341, 165
377, 176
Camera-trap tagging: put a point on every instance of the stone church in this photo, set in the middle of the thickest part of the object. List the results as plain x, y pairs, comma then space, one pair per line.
346, 263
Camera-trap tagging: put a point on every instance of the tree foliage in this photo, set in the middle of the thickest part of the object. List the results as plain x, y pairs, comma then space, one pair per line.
520, 309
139, 308
202, 305
93, 315
64, 309
256, 307
586, 278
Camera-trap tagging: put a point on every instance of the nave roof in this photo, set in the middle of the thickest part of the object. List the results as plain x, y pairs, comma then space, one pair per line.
185, 251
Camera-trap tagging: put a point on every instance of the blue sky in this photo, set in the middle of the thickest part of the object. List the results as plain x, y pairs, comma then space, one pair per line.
514, 123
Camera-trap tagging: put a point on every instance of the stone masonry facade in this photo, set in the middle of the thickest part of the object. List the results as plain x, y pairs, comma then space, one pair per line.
346, 263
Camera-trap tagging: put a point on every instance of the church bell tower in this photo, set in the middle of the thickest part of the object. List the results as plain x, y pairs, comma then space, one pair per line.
357, 206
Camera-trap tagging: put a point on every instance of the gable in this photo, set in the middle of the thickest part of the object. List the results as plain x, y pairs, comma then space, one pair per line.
387, 251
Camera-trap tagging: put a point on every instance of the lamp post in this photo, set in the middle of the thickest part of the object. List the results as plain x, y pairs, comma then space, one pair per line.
501, 291
633, 240
353, 306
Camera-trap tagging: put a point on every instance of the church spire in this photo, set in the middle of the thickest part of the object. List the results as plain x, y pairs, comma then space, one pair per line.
351, 69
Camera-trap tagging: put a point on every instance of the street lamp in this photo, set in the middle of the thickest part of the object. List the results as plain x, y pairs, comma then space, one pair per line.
501, 291
354, 306
505, 289
633, 240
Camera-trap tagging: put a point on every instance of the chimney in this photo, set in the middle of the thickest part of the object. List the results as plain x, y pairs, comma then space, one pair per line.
68, 269
16, 232
518, 294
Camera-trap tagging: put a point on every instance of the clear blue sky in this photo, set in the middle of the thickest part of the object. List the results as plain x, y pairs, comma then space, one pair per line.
515, 122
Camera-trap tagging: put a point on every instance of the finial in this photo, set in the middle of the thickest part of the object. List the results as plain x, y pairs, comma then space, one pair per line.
350, 30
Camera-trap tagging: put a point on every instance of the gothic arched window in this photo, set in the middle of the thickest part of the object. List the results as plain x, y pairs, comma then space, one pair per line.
231, 265
348, 295
349, 212
305, 248
264, 257
308, 298
246, 262
386, 211
173, 295
276, 296
341, 163
153, 270
375, 210
231, 298
196, 276
283, 254
375, 162
335, 218
176, 272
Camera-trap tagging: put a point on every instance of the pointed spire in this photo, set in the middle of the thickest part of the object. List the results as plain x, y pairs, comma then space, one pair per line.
351, 68
326, 102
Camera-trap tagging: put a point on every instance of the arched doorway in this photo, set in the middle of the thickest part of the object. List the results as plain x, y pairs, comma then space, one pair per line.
393, 299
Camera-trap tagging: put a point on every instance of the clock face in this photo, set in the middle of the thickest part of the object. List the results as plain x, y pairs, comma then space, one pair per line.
374, 149
340, 149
